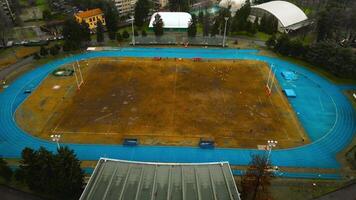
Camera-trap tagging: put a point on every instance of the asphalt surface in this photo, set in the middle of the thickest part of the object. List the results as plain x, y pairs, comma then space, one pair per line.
345, 193
7, 193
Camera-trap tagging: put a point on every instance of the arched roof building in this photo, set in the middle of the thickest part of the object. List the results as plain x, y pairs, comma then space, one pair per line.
173, 20
289, 16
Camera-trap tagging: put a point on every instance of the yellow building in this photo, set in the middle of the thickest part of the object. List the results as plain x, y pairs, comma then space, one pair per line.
91, 17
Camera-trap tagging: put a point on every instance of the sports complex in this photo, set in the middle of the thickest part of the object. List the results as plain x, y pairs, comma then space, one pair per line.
321, 116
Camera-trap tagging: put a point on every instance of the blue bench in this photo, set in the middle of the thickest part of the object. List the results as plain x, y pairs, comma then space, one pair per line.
130, 142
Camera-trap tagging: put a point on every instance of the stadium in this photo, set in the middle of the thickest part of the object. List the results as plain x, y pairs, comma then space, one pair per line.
170, 99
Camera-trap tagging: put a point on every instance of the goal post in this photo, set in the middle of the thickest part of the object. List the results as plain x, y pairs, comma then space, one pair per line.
78, 74
270, 80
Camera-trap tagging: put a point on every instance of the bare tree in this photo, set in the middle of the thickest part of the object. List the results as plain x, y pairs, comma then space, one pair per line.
257, 178
5, 25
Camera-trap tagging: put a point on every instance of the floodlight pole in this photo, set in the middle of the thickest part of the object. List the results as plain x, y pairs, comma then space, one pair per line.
76, 77
270, 145
226, 18
133, 30
56, 138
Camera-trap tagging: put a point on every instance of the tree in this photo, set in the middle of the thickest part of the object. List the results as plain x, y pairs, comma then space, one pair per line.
54, 50
201, 17
158, 25
142, 9
256, 179
43, 51
68, 174
99, 32
73, 35
5, 25
239, 21
192, 28
5, 171
111, 18
125, 34
143, 33
271, 42
118, 37
58, 176
85, 31
179, 5
46, 14
206, 24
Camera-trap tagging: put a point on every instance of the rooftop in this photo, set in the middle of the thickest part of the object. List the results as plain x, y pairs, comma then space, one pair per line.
119, 179
89, 13
173, 19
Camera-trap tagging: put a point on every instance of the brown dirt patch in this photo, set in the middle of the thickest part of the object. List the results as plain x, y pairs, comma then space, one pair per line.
163, 103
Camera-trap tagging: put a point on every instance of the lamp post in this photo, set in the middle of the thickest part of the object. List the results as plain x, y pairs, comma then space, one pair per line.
226, 18
133, 30
56, 138
270, 144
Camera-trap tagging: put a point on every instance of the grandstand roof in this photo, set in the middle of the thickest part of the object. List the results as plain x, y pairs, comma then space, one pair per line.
119, 179
173, 19
287, 13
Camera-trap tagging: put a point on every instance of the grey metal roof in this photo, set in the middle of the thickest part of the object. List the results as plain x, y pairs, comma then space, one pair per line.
118, 179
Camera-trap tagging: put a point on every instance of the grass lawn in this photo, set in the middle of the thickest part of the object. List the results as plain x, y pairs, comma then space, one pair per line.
11, 55
259, 35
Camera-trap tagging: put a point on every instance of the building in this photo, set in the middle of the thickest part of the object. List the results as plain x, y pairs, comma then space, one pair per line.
91, 17
289, 16
118, 179
125, 7
6, 10
162, 3
172, 20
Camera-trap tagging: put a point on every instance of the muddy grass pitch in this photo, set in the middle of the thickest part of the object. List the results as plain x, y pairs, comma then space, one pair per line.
167, 102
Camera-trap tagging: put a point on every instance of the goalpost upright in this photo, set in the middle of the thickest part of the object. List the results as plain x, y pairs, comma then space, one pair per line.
270, 80
79, 79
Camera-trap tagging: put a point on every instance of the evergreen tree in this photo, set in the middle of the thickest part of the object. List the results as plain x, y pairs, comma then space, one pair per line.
158, 25
111, 19
206, 24
5, 171
99, 32
73, 35
179, 5
58, 176
68, 174
118, 37
54, 50
125, 34
192, 28
271, 42
142, 9
143, 33
43, 51
201, 17
239, 21
85, 32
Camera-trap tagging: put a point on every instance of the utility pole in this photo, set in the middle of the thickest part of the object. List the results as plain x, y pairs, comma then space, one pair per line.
226, 18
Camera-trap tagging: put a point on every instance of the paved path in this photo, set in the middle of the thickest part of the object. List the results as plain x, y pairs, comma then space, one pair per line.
14, 67
347, 192
325, 113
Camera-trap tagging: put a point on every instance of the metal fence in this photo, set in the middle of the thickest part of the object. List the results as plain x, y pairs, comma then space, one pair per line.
172, 40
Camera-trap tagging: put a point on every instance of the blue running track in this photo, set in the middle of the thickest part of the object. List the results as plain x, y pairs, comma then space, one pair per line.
325, 113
